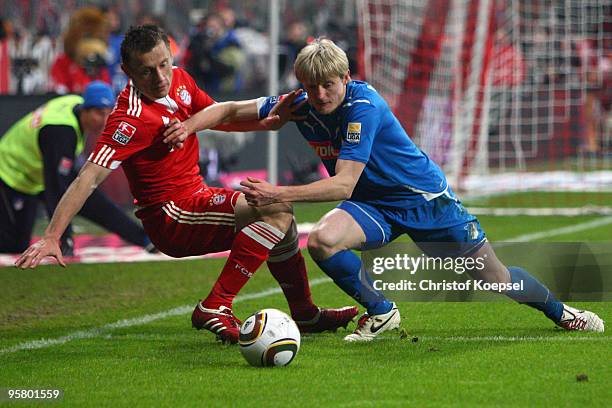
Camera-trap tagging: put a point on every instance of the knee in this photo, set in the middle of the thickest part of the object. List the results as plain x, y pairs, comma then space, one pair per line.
280, 217
494, 270
321, 244
292, 232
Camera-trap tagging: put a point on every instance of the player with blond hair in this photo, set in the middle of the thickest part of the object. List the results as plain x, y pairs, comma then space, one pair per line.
388, 188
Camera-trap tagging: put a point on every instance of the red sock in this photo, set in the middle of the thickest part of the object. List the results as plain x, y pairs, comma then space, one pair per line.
291, 275
249, 250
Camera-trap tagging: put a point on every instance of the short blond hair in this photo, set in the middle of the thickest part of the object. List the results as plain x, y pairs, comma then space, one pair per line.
320, 61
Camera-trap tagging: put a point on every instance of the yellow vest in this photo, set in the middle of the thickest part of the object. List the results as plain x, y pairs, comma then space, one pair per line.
21, 164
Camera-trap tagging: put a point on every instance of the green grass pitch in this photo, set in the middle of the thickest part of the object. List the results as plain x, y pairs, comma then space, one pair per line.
455, 354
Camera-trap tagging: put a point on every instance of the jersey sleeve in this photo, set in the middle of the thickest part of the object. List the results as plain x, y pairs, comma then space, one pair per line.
122, 137
358, 131
265, 104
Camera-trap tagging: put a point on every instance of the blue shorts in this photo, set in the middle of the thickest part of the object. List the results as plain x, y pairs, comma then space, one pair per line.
441, 227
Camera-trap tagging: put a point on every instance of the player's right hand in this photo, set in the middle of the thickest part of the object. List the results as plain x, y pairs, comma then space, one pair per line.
32, 256
259, 192
176, 133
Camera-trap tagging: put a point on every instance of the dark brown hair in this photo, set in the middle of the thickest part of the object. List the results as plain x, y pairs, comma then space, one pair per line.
140, 40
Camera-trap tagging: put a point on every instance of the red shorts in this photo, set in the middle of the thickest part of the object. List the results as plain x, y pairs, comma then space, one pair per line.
196, 225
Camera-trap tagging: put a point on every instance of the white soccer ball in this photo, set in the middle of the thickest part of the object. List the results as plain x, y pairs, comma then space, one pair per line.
269, 338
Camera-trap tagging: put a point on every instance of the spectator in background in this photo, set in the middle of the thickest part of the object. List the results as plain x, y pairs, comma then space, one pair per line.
596, 69
22, 64
31, 57
229, 18
215, 55
85, 52
25, 59
344, 35
43, 51
255, 48
118, 78
296, 39
37, 156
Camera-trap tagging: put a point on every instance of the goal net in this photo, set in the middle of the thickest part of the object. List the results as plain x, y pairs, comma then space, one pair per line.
510, 97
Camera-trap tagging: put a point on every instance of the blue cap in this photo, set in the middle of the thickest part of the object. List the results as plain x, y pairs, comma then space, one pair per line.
98, 94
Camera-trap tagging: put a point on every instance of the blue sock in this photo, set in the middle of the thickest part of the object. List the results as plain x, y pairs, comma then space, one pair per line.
534, 294
345, 269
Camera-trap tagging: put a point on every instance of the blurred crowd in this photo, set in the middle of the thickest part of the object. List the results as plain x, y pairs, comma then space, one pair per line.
566, 48
61, 46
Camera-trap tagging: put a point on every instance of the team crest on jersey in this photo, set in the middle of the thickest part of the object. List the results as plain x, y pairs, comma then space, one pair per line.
353, 132
124, 133
218, 199
183, 94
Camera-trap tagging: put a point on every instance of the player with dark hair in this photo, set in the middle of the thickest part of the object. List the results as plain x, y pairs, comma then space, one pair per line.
181, 214
388, 188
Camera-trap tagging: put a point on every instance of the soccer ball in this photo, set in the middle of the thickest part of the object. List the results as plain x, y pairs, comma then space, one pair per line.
269, 338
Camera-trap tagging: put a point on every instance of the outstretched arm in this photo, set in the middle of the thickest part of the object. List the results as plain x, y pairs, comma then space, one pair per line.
233, 116
57, 145
338, 187
282, 112
89, 178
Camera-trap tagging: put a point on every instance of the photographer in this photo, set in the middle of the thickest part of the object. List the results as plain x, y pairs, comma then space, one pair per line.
214, 56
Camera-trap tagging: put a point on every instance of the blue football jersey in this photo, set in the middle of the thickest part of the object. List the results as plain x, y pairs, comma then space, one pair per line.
363, 129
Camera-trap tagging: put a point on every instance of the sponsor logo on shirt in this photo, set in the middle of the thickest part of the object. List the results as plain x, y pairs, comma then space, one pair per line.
353, 132
183, 94
325, 150
124, 133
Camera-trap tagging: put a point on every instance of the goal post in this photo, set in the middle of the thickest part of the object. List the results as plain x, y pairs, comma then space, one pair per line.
508, 96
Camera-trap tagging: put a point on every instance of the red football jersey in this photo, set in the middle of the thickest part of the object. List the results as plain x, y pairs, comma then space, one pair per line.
133, 137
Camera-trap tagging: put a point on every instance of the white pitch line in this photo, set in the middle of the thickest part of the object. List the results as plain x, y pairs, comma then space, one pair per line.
539, 211
515, 338
562, 230
138, 321
84, 334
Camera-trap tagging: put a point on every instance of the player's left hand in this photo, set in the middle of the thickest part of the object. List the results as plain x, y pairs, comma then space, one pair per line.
259, 192
285, 109
176, 133
47, 246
